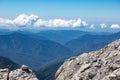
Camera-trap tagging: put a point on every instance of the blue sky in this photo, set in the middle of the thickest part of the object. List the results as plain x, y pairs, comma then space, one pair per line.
95, 14
61, 8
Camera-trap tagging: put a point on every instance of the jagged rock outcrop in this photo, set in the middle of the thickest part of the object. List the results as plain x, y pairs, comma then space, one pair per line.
4, 74
98, 65
24, 73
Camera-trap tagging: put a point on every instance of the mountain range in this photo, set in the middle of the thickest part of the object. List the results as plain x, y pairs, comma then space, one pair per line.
89, 42
45, 51
30, 50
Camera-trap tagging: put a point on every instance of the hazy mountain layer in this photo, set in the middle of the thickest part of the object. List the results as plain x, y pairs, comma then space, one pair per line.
88, 43
30, 50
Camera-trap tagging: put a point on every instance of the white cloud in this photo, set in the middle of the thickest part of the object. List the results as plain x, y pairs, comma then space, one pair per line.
35, 21
78, 22
21, 20
25, 20
103, 26
115, 26
59, 23
92, 26
6, 22
84, 23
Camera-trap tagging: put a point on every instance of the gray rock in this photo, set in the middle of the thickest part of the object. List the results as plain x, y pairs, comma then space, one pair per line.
24, 73
98, 65
4, 74
24, 67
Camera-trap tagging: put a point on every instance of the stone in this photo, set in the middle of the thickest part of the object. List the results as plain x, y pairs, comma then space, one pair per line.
24, 73
103, 64
4, 73
24, 67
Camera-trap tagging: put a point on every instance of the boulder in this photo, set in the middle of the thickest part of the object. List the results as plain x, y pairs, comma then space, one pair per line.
24, 73
103, 64
4, 74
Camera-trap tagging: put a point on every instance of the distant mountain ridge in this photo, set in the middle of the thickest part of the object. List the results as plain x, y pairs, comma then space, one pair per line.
30, 50
89, 42
5, 31
63, 36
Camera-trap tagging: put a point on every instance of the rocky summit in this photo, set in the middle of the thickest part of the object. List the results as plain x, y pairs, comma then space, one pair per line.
103, 64
24, 73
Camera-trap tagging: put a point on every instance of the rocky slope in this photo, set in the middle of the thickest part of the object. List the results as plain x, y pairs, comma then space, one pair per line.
24, 73
98, 65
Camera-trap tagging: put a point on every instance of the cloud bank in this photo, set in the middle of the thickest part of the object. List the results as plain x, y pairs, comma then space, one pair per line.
115, 26
60, 23
24, 20
21, 20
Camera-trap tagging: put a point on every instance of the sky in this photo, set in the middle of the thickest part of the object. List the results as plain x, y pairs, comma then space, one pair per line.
62, 10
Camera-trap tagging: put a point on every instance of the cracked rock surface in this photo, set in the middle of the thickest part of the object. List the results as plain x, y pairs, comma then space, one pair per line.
24, 73
103, 64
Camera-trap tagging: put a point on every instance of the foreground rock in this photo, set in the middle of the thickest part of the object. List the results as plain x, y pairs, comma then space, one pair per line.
99, 65
4, 74
24, 73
